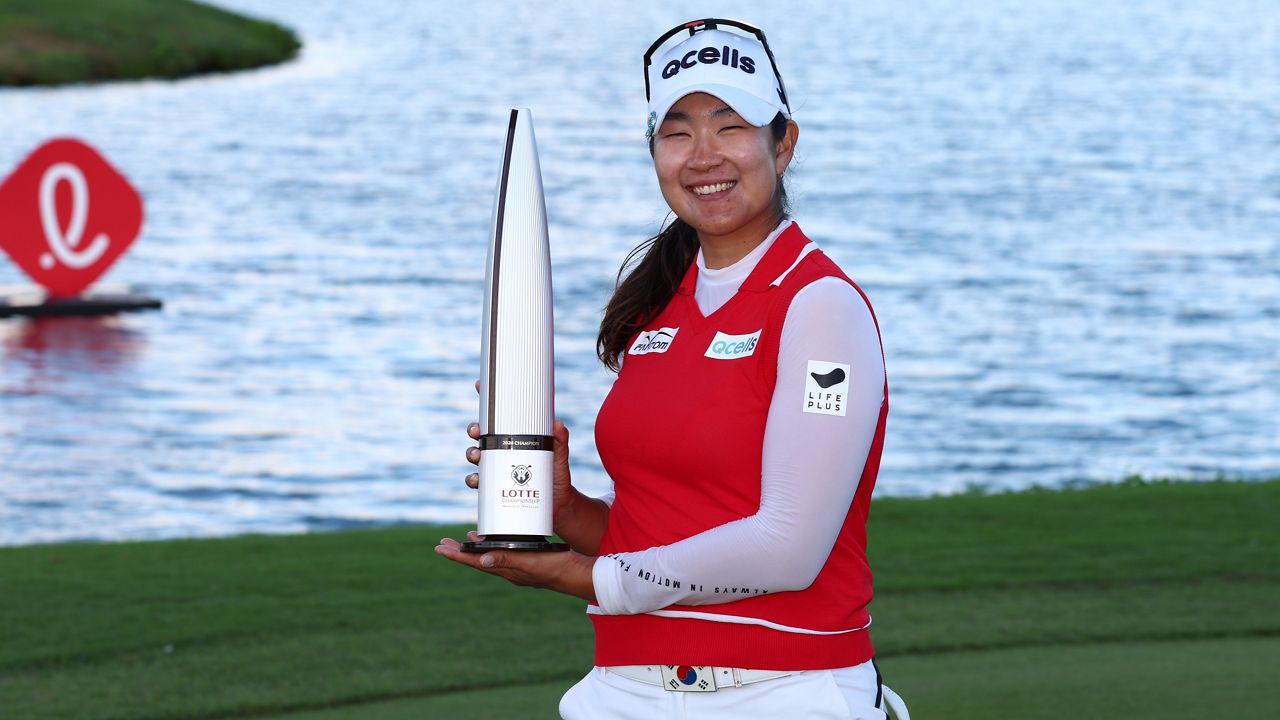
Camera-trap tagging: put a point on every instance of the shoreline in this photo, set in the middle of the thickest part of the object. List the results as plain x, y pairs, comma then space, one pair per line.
970, 490
61, 42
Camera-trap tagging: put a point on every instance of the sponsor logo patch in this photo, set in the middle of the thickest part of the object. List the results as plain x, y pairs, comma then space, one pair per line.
732, 347
654, 341
826, 388
710, 56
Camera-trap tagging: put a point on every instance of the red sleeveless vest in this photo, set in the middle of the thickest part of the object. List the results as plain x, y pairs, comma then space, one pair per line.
681, 433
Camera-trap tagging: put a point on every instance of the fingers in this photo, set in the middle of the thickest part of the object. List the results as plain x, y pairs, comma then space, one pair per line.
477, 387
561, 442
489, 560
473, 453
560, 448
452, 549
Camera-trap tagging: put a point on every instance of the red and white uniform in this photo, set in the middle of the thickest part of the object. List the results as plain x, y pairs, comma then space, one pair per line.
743, 436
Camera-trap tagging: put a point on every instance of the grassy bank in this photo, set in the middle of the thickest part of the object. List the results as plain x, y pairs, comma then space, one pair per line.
50, 42
1137, 600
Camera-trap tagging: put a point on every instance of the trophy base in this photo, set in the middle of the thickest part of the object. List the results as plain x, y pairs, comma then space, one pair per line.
525, 543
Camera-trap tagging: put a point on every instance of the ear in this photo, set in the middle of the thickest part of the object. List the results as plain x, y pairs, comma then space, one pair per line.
786, 148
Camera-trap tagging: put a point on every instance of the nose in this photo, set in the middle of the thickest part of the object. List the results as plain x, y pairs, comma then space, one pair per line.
706, 152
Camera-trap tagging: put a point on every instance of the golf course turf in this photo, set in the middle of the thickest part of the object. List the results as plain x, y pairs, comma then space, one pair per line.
1138, 599
51, 42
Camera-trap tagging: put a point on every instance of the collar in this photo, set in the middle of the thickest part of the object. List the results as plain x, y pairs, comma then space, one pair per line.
781, 256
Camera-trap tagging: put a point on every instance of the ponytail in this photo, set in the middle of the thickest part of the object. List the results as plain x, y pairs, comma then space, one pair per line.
645, 292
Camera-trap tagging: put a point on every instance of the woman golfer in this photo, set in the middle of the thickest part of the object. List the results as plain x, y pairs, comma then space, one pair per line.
727, 574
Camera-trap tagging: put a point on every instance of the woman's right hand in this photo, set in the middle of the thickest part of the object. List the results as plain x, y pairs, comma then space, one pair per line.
576, 518
563, 496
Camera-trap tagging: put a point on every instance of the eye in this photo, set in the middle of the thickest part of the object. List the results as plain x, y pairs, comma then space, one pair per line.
673, 134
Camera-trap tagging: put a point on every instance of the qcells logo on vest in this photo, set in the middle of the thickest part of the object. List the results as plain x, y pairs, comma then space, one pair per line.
654, 341
826, 388
732, 347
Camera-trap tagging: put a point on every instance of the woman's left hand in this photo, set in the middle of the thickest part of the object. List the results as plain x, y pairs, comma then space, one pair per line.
566, 572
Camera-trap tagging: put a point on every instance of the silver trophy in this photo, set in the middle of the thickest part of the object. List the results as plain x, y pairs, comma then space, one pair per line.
517, 376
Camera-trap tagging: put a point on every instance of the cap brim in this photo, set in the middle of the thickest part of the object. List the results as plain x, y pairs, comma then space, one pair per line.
751, 108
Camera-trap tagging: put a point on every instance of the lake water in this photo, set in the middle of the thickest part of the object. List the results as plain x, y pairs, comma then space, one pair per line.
1066, 214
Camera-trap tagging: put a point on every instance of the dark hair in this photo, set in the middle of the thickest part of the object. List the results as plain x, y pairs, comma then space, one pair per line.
663, 260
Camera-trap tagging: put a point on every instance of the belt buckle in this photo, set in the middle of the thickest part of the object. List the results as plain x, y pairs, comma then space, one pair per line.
688, 678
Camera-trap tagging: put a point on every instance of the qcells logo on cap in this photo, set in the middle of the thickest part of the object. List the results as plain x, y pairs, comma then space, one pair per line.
732, 347
654, 341
826, 388
710, 56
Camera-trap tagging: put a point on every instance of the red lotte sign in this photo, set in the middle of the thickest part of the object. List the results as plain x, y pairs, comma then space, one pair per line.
66, 216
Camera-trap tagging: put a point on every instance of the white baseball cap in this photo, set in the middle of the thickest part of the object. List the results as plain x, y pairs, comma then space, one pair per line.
735, 68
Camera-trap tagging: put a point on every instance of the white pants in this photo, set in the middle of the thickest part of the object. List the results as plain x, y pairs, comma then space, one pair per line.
843, 693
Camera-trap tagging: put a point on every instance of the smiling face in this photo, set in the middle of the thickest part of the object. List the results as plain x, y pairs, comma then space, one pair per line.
720, 174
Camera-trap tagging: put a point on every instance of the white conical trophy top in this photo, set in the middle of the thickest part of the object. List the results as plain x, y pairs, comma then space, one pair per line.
517, 360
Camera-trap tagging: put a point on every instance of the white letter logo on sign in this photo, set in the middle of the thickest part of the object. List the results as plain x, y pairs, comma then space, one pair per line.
66, 247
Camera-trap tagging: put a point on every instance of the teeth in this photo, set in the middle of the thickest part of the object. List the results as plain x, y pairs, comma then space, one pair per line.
708, 189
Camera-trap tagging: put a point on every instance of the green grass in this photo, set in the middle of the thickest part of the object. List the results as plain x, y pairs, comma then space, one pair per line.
51, 42
1136, 600
1187, 679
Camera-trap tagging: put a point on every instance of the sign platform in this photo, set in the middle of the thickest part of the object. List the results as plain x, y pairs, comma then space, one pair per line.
35, 302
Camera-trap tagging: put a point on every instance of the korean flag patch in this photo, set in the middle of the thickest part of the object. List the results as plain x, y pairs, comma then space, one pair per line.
826, 388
